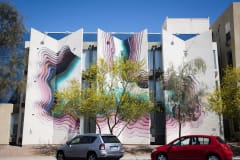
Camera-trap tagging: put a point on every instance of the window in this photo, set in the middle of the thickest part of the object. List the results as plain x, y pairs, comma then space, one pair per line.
176, 143
228, 33
214, 59
195, 141
228, 39
110, 139
229, 58
76, 140
220, 140
182, 142
185, 141
87, 139
203, 140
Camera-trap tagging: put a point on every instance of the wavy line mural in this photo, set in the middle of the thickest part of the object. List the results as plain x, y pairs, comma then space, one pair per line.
51, 65
56, 69
133, 48
184, 94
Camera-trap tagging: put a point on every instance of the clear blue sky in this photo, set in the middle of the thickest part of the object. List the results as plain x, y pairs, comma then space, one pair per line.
113, 15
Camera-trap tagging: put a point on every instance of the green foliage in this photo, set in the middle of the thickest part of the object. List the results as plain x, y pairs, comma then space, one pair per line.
110, 94
183, 95
11, 25
226, 99
182, 81
12, 60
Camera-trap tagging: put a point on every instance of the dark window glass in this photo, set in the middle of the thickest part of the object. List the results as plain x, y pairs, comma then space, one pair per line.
87, 139
204, 140
185, 141
92, 139
110, 139
182, 142
228, 39
195, 141
176, 143
229, 58
220, 140
76, 140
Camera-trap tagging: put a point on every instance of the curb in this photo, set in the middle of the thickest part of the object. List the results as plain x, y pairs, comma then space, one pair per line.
147, 158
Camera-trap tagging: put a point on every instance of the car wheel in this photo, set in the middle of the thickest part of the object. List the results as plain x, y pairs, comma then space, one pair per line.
161, 156
60, 156
92, 156
212, 157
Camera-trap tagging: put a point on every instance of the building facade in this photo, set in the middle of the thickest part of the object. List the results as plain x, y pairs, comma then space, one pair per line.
190, 40
226, 30
55, 58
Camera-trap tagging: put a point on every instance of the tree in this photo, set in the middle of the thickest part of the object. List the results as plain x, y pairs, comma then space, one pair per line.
181, 87
11, 25
11, 35
225, 100
107, 95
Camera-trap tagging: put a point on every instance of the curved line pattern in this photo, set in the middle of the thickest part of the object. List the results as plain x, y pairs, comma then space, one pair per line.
133, 45
139, 128
53, 64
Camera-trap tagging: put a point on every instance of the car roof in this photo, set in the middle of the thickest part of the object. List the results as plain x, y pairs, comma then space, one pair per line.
94, 134
193, 135
199, 135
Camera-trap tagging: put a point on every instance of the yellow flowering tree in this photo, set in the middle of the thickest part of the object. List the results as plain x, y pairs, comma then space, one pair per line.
225, 99
107, 95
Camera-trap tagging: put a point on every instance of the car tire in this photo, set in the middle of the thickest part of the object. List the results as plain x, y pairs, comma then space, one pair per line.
92, 156
161, 156
212, 157
60, 156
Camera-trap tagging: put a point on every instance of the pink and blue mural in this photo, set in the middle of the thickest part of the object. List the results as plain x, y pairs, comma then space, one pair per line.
51, 65
55, 69
133, 48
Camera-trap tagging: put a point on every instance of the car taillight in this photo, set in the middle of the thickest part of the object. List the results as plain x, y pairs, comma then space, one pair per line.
102, 147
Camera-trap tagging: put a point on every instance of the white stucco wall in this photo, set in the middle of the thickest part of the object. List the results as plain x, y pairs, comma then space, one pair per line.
5, 122
39, 126
42, 128
200, 46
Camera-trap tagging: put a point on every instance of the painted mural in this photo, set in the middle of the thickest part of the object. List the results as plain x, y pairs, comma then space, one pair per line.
189, 75
53, 62
50, 67
56, 69
184, 94
133, 48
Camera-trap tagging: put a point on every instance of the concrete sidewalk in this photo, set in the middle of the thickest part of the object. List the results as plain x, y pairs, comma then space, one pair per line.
53, 158
47, 152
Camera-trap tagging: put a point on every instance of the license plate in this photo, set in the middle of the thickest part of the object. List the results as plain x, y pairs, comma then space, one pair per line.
114, 148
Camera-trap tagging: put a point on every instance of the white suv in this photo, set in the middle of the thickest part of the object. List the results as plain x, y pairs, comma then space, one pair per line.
91, 147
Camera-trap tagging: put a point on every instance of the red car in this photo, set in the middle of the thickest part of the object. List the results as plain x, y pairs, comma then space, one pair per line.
194, 147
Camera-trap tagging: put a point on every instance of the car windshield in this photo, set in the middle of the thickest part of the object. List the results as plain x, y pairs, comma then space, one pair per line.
110, 139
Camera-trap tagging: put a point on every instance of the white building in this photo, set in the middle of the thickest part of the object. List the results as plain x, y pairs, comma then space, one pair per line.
54, 58
182, 41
